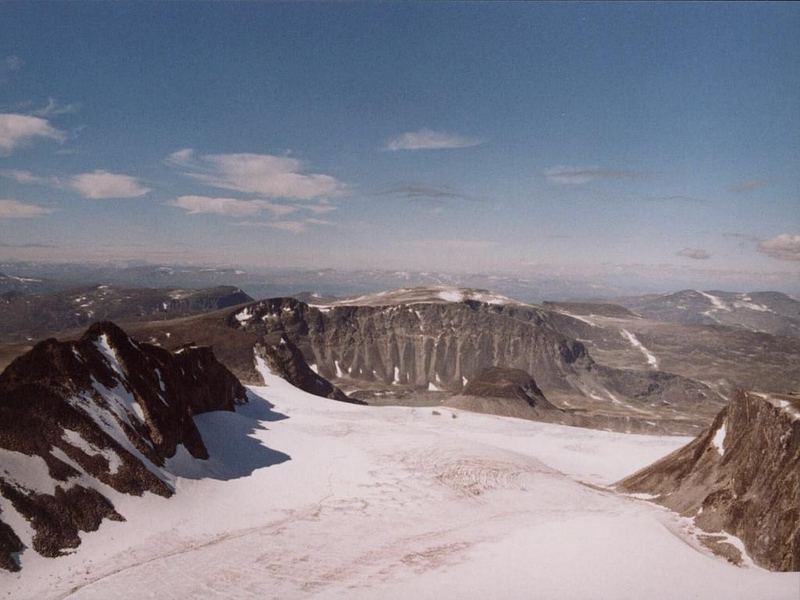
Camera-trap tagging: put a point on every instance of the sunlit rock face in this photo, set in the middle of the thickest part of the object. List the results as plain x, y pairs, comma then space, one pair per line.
741, 476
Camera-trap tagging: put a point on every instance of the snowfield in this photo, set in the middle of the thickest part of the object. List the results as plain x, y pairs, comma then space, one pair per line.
305, 497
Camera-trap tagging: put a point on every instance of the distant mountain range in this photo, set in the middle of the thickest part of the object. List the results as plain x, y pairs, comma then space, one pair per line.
26, 316
771, 312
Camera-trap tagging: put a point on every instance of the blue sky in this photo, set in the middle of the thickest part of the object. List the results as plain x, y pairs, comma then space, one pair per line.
556, 137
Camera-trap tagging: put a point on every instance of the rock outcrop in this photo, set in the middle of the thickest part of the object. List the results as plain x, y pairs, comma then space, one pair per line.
105, 409
740, 476
285, 360
497, 382
506, 392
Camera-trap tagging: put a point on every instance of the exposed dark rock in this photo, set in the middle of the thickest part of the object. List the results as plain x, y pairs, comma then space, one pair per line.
497, 382
106, 407
741, 476
10, 545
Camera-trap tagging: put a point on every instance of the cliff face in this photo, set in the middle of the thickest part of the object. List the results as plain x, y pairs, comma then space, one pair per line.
447, 344
741, 476
103, 409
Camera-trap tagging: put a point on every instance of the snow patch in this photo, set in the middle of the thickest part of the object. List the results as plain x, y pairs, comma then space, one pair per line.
451, 295
103, 345
719, 439
651, 359
244, 315
73, 438
32, 470
716, 301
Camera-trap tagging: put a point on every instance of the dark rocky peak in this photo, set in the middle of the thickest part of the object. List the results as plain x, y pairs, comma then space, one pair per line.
104, 408
741, 476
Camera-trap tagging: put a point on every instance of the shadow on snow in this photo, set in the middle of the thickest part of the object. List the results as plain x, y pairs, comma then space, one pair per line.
233, 443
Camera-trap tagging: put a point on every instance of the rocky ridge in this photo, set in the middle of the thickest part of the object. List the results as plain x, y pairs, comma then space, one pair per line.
103, 412
741, 476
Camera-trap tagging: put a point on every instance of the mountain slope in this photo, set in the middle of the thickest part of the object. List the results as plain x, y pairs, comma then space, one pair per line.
769, 312
740, 476
104, 412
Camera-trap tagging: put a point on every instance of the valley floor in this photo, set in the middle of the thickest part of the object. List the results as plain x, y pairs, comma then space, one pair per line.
395, 502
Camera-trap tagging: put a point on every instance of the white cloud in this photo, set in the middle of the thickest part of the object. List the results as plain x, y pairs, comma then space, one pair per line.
263, 174
99, 185
695, 253
234, 207
18, 129
782, 247
428, 139
564, 175
13, 209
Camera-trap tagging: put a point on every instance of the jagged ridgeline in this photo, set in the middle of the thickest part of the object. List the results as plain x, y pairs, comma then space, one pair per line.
80, 417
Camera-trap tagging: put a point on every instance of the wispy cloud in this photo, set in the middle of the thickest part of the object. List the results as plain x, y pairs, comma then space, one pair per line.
263, 174
321, 208
565, 175
233, 207
694, 253
783, 247
677, 198
8, 66
101, 185
435, 197
17, 129
13, 63
428, 139
744, 238
13, 209
296, 226
27, 178
453, 244
747, 186
26, 245
53, 109
414, 191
